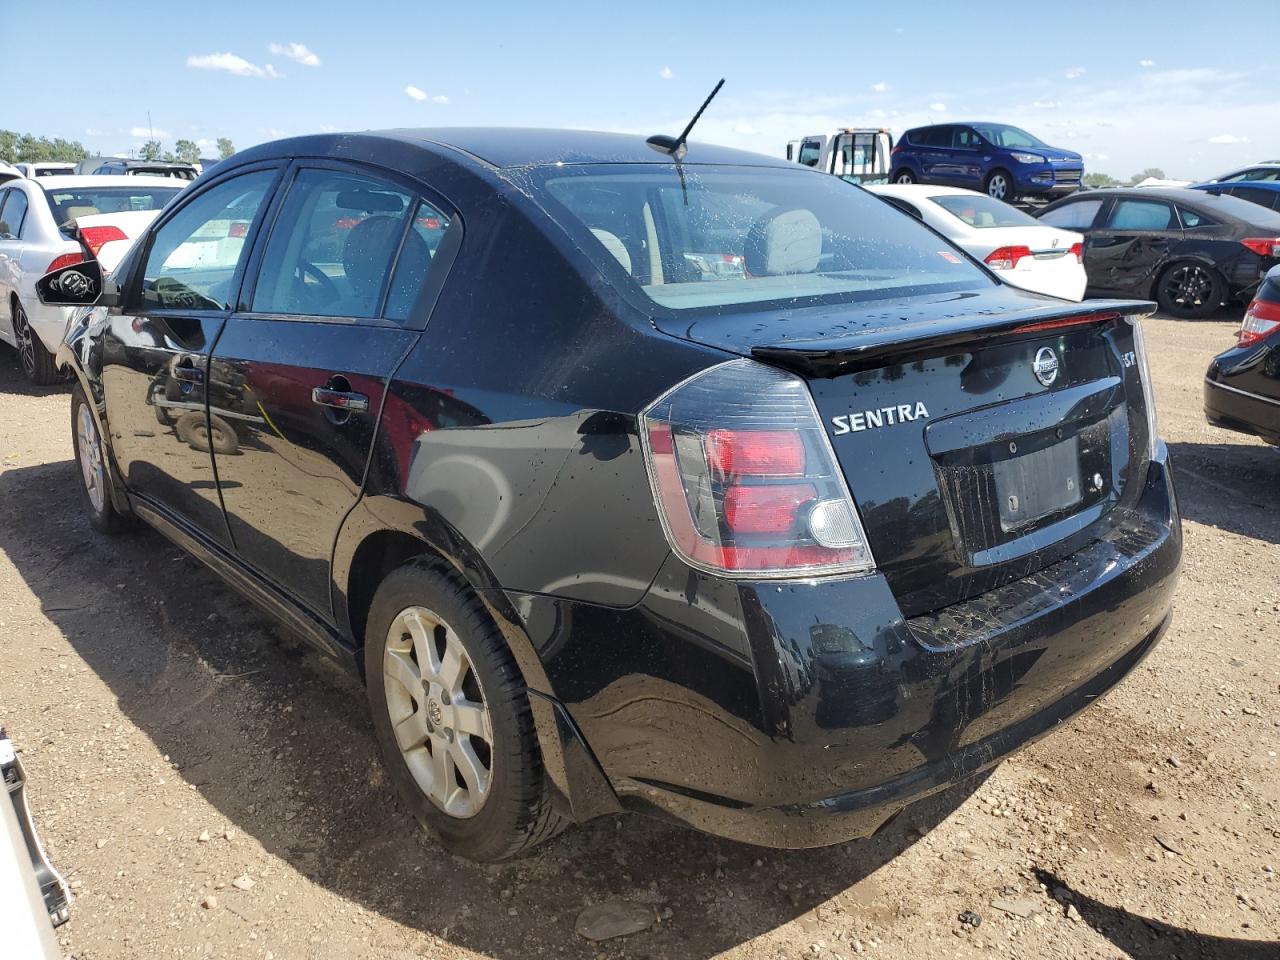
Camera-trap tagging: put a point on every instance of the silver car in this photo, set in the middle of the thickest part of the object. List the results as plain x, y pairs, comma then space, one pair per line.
39, 233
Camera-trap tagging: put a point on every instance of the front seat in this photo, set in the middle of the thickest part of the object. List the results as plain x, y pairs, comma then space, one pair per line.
784, 242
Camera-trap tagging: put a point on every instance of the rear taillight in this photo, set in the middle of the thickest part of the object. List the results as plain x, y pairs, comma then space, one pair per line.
1077, 250
238, 229
1263, 246
95, 238
1148, 396
1260, 321
745, 480
66, 260
1006, 258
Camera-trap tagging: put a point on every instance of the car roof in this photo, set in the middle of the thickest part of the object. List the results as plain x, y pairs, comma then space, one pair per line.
1272, 185
532, 146
103, 180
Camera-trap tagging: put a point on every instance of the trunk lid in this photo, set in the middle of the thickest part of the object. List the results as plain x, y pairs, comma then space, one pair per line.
983, 437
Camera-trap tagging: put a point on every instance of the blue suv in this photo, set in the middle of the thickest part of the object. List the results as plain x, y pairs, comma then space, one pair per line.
1002, 161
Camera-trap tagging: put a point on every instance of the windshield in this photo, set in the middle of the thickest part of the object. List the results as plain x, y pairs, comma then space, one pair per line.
725, 236
981, 211
1003, 135
68, 203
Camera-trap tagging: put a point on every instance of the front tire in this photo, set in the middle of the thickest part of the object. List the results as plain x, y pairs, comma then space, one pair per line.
95, 474
37, 363
904, 176
452, 719
1189, 290
999, 186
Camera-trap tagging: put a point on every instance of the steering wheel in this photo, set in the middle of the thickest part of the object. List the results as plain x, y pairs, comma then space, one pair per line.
327, 286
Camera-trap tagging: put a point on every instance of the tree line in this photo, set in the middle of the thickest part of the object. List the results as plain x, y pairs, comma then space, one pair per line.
28, 148
1100, 180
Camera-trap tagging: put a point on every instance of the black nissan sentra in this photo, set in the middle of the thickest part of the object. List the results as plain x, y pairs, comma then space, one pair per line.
717, 489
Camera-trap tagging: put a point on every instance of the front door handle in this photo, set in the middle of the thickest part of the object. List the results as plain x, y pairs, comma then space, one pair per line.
188, 374
340, 399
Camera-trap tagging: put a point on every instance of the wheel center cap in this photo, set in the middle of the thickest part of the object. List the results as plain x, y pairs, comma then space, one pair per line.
434, 713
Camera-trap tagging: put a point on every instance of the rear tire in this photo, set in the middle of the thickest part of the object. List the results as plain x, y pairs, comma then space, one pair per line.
999, 186
1189, 290
483, 791
903, 176
95, 472
36, 362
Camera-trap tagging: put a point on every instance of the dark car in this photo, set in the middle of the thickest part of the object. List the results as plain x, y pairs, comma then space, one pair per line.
148, 168
582, 512
1264, 171
1242, 387
1187, 249
1003, 161
1265, 193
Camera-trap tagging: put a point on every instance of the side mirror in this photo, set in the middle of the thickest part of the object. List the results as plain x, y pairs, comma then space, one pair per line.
79, 285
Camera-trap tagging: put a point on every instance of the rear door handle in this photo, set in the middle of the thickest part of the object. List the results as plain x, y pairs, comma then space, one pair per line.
340, 399
188, 374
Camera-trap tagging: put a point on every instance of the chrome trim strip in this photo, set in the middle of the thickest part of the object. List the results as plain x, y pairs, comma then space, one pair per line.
1243, 393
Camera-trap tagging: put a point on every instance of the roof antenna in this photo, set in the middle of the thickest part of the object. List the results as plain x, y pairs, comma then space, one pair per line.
676, 146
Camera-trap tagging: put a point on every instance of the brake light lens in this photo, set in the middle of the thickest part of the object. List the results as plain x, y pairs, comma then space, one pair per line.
744, 478
95, 238
1260, 321
1264, 246
1006, 258
1077, 249
66, 260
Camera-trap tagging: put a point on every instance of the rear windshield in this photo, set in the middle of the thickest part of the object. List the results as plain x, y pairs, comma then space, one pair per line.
68, 203
723, 236
981, 211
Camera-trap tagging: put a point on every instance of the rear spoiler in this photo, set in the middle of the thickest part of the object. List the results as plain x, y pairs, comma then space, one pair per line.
903, 342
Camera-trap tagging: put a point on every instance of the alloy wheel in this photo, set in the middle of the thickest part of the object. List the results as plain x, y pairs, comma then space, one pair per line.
26, 346
438, 712
1188, 286
998, 186
905, 178
91, 465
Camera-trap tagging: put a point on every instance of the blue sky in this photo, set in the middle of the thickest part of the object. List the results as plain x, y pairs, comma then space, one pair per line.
1129, 85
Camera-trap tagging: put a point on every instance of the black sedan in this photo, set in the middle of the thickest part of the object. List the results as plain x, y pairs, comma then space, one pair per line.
1242, 387
1188, 250
702, 485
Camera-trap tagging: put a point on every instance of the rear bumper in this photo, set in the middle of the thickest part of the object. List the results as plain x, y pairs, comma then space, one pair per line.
800, 714
1244, 411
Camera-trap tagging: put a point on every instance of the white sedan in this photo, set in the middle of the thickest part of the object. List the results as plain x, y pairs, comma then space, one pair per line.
52, 222
1020, 249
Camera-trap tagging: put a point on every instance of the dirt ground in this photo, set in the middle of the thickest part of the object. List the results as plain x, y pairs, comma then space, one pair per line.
211, 789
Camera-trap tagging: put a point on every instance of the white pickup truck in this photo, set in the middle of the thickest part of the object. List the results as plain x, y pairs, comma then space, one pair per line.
860, 154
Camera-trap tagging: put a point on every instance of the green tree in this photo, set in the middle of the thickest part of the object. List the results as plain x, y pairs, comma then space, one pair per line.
151, 150
1154, 172
8, 146
187, 151
225, 148
29, 149
1099, 180
72, 150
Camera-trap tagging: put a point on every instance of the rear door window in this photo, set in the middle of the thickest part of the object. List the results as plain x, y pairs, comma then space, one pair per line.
1078, 215
334, 244
1142, 215
1193, 218
14, 214
194, 256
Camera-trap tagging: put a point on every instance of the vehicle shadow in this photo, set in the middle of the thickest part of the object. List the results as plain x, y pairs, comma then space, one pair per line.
278, 740
1144, 938
1230, 486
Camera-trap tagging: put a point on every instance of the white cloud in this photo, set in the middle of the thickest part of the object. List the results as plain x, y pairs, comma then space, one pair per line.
231, 63
1046, 104
1075, 73
745, 129
666, 73
1228, 138
147, 133
880, 87
1146, 63
298, 52
938, 107
91, 132
417, 93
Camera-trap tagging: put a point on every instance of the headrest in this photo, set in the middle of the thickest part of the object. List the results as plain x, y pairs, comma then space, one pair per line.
783, 242
83, 210
614, 246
